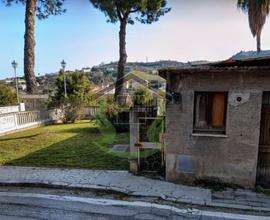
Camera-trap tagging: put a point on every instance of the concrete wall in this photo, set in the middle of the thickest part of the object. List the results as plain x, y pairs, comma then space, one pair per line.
17, 121
9, 109
230, 158
35, 102
88, 112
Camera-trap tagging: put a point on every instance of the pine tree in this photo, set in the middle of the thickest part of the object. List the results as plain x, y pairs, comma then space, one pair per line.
127, 12
42, 9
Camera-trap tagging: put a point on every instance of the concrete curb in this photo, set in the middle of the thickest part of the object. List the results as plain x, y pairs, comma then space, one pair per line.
116, 190
102, 188
116, 182
109, 206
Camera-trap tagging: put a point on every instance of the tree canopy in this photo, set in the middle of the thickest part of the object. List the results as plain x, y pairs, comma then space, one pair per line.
40, 9
7, 96
127, 12
44, 8
144, 11
78, 89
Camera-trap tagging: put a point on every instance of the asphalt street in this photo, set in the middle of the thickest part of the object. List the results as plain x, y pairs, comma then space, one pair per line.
35, 203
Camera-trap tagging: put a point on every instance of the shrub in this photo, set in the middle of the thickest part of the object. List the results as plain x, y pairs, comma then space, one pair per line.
70, 108
108, 107
154, 131
7, 96
70, 114
142, 96
114, 114
78, 94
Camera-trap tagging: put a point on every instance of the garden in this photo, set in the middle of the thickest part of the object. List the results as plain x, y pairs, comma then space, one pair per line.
84, 144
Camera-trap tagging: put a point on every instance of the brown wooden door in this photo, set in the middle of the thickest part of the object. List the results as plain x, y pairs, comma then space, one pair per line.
263, 171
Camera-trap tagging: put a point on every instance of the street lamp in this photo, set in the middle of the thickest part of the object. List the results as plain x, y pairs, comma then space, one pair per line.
15, 66
64, 64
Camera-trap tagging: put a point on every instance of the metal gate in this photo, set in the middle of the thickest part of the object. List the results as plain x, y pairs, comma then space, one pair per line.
263, 170
151, 151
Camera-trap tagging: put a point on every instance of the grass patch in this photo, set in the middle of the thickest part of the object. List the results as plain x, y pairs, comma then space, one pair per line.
262, 190
79, 145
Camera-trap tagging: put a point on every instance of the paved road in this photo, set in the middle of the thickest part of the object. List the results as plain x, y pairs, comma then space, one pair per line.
30, 204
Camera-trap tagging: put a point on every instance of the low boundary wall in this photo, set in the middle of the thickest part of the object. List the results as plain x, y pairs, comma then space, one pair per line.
21, 120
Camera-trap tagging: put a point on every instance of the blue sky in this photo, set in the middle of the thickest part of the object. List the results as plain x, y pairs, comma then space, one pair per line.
193, 30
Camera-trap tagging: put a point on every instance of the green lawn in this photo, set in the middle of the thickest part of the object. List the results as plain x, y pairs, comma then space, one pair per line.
79, 145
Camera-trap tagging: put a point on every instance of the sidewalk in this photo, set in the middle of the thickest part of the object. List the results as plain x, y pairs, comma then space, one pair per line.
124, 182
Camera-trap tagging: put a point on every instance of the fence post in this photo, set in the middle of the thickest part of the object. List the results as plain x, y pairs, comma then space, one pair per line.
15, 120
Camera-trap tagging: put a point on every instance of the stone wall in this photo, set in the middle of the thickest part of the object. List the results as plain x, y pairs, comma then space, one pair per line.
230, 158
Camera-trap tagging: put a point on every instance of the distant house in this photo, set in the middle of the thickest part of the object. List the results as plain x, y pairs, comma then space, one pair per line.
86, 70
133, 81
218, 121
11, 83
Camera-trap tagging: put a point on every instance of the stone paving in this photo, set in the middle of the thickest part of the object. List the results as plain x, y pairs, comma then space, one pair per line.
120, 148
242, 199
124, 182
120, 181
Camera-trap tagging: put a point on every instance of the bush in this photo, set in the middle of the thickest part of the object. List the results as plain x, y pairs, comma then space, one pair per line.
7, 96
142, 97
70, 114
69, 108
108, 107
154, 131
114, 113
78, 94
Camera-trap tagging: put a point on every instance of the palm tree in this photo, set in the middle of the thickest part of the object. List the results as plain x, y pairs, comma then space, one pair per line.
258, 10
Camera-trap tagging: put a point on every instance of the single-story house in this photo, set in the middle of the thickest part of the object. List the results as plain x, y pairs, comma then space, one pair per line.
133, 81
218, 122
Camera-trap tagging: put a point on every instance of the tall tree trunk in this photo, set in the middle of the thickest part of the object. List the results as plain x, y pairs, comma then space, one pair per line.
29, 46
259, 41
123, 59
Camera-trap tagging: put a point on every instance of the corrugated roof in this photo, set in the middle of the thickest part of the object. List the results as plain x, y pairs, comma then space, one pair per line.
243, 61
249, 58
251, 55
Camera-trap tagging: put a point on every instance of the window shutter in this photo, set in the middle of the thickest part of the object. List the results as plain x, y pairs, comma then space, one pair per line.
218, 110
